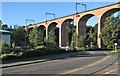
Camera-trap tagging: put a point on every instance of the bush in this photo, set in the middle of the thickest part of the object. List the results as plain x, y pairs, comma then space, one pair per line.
5, 47
9, 56
33, 53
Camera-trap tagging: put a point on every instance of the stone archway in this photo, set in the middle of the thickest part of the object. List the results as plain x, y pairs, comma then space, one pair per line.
82, 24
52, 26
42, 30
83, 28
102, 20
65, 35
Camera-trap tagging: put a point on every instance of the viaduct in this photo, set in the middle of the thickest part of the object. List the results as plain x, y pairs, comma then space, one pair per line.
80, 20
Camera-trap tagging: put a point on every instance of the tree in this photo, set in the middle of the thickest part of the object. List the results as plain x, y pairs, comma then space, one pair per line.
41, 34
111, 33
73, 44
4, 26
18, 36
4, 46
94, 34
82, 41
51, 38
35, 37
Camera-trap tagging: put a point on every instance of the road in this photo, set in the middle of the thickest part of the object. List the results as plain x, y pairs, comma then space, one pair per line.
75, 64
113, 69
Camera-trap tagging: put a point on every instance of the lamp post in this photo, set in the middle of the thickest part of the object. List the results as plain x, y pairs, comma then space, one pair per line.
49, 14
115, 47
27, 30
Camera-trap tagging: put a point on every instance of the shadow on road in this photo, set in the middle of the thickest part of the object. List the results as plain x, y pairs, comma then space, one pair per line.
59, 56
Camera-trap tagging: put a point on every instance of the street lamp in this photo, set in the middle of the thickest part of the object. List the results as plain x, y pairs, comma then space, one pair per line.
80, 4
115, 47
27, 30
49, 14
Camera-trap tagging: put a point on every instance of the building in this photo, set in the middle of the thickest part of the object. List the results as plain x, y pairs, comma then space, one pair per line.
6, 36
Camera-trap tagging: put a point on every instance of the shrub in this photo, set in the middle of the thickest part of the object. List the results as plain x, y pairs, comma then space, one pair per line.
5, 47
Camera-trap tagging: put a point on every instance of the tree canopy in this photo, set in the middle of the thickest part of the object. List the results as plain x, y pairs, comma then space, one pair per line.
36, 37
111, 32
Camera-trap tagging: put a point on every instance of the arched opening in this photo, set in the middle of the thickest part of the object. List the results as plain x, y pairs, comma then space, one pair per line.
67, 29
91, 31
30, 29
42, 31
53, 32
109, 23
111, 12
27, 36
87, 28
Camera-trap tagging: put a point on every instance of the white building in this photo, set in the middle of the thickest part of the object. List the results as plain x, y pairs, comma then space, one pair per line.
5, 36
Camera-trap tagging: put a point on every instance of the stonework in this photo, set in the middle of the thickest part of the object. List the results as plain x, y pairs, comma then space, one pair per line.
80, 19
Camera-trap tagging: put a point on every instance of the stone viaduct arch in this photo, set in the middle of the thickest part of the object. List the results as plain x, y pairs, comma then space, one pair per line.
102, 19
64, 32
42, 29
52, 26
80, 19
82, 24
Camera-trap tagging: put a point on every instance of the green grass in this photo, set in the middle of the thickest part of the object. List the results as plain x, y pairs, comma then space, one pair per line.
117, 51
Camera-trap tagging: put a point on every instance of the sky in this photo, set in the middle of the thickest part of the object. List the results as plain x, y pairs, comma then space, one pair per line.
16, 13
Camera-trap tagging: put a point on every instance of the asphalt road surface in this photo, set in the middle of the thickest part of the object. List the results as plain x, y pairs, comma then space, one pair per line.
75, 64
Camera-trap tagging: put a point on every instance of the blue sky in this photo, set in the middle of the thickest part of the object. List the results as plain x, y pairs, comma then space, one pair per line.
17, 12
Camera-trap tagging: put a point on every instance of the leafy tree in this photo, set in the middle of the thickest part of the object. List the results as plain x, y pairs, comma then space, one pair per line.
71, 31
41, 34
4, 26
51, 38
82, 41
93, 35
18, 36
35, 37
89, 34
73, 44
4, 46
111, 33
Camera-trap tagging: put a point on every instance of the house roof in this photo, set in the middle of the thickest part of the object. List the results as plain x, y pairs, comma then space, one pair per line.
5, 31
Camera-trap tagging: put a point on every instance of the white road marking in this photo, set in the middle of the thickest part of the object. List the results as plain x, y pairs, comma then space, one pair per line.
86, 66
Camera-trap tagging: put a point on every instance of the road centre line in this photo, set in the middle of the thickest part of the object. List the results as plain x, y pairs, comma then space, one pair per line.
68, 72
